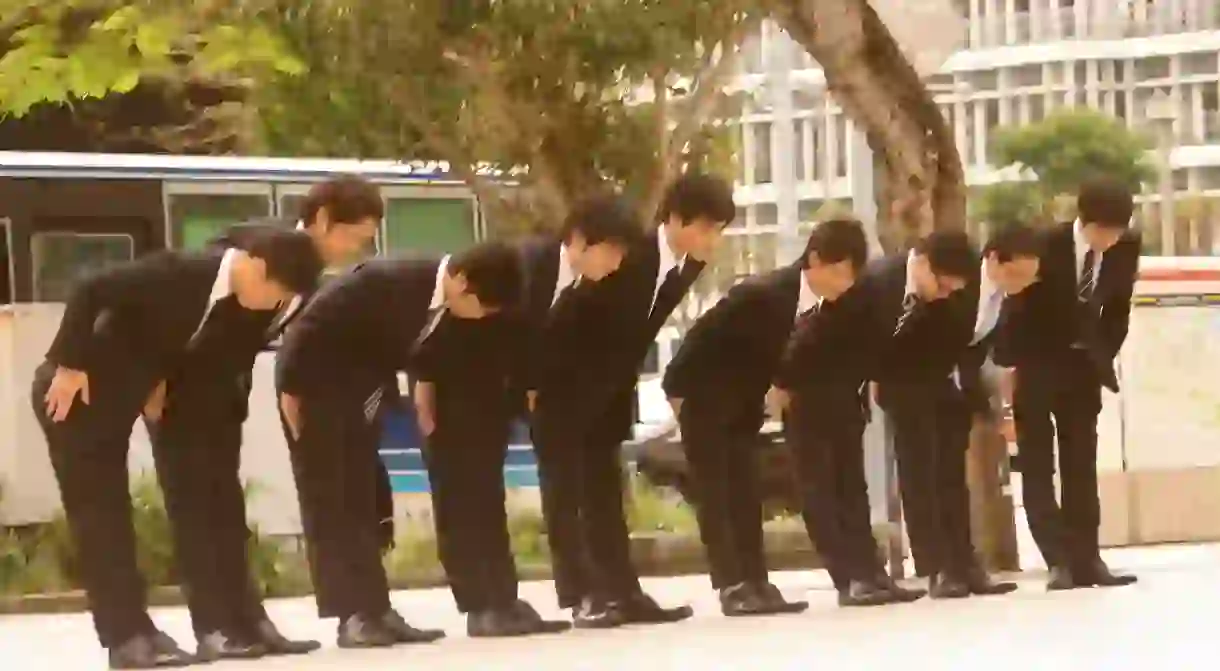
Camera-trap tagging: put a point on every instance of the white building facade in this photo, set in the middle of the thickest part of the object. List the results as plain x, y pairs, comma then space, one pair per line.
1021, 60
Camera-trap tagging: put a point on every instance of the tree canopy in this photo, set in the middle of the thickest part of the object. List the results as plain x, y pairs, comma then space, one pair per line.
578, 92
1060, 152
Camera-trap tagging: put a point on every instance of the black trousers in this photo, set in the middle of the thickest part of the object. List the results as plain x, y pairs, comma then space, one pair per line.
89, 456
722, 452
931, 426
465, 459
1068, 392
335, 462
581, 480
826, 433
197, 451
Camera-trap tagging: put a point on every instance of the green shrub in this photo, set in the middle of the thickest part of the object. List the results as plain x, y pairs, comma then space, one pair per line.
527, 531
652, 509
414, 556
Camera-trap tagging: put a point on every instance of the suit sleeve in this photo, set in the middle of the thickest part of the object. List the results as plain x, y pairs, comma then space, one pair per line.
120, 287
303, 352
708, 339
1116, 311
1004, 338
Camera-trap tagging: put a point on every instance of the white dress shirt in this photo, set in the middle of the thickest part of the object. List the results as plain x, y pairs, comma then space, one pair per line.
1082, 248
911, 287
668, 261
221, 288
807, 299
566, 276
991, 298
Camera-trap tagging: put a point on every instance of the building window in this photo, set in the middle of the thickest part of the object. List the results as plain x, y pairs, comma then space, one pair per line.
798, 150
1150, 69
1199, 64
762, 153
1026, 75
766, 214
60, 260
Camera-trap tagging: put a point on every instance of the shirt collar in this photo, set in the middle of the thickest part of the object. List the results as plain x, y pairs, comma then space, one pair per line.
808, 299
910, 285
1078, 240
567, 274
300, 225
668, 260
438, 292
222, 288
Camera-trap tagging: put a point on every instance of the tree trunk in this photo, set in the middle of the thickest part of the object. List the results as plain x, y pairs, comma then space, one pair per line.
878, 88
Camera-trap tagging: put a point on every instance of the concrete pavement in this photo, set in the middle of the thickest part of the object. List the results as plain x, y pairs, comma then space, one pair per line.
1167, 620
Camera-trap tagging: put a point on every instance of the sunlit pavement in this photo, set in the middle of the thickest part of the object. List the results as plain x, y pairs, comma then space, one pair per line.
1167, 621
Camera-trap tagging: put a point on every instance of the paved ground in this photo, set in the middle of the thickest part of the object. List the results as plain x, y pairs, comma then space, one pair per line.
1167, 620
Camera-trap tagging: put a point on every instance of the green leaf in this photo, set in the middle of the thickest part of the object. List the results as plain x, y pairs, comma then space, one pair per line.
126, 81
154, 38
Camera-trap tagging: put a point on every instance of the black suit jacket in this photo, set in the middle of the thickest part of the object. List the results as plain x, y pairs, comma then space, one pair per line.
728, 357
549, 338
1040, 324
618, 315
139, 316
359, 330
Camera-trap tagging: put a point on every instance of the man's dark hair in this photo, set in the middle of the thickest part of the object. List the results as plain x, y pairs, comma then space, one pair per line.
291, 258
950, 254
1106, 202
605, 217
348, 199
493, 273
837, 240
695, 195
1015, 241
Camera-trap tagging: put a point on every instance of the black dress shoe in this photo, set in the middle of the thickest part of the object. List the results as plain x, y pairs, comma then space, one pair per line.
1061, 579
135, 653
981, 584
859, 593
742, 599
1099, 575
945, 586
278, 644
776, 601
639, 608
218, 645
494, 623
405, 633
594, 613
168, 653
526, 613
359, 631
898, 593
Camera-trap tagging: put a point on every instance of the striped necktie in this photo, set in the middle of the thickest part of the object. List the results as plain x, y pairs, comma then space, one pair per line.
1086, 285
909, 303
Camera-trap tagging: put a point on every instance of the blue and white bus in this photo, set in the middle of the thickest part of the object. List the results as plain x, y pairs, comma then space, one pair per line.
64, 214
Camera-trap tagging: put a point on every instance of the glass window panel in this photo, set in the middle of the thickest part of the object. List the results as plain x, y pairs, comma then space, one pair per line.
764, 247
762, 153
196, 218
61, 259
290, 205
442, 225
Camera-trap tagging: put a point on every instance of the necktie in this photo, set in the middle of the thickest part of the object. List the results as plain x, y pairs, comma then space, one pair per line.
806, 315
564, 292
434, 318
909, 304
1084, 288
668, 287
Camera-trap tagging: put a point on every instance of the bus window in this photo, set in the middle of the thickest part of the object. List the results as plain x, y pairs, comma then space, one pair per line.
197, 218
290, 205
6, 263
61, 258
442, 225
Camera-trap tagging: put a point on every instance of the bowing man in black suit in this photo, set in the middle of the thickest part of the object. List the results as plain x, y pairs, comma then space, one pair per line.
124, 331
891, 326
585, 413
466, 369
197, 441
717, 383
358, 331
1061, 335
930, 405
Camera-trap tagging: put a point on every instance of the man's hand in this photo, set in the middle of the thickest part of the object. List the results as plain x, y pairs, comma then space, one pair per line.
154, 407
291, 407
676, 405
778, 401
62, 393
424, 396
531, 400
